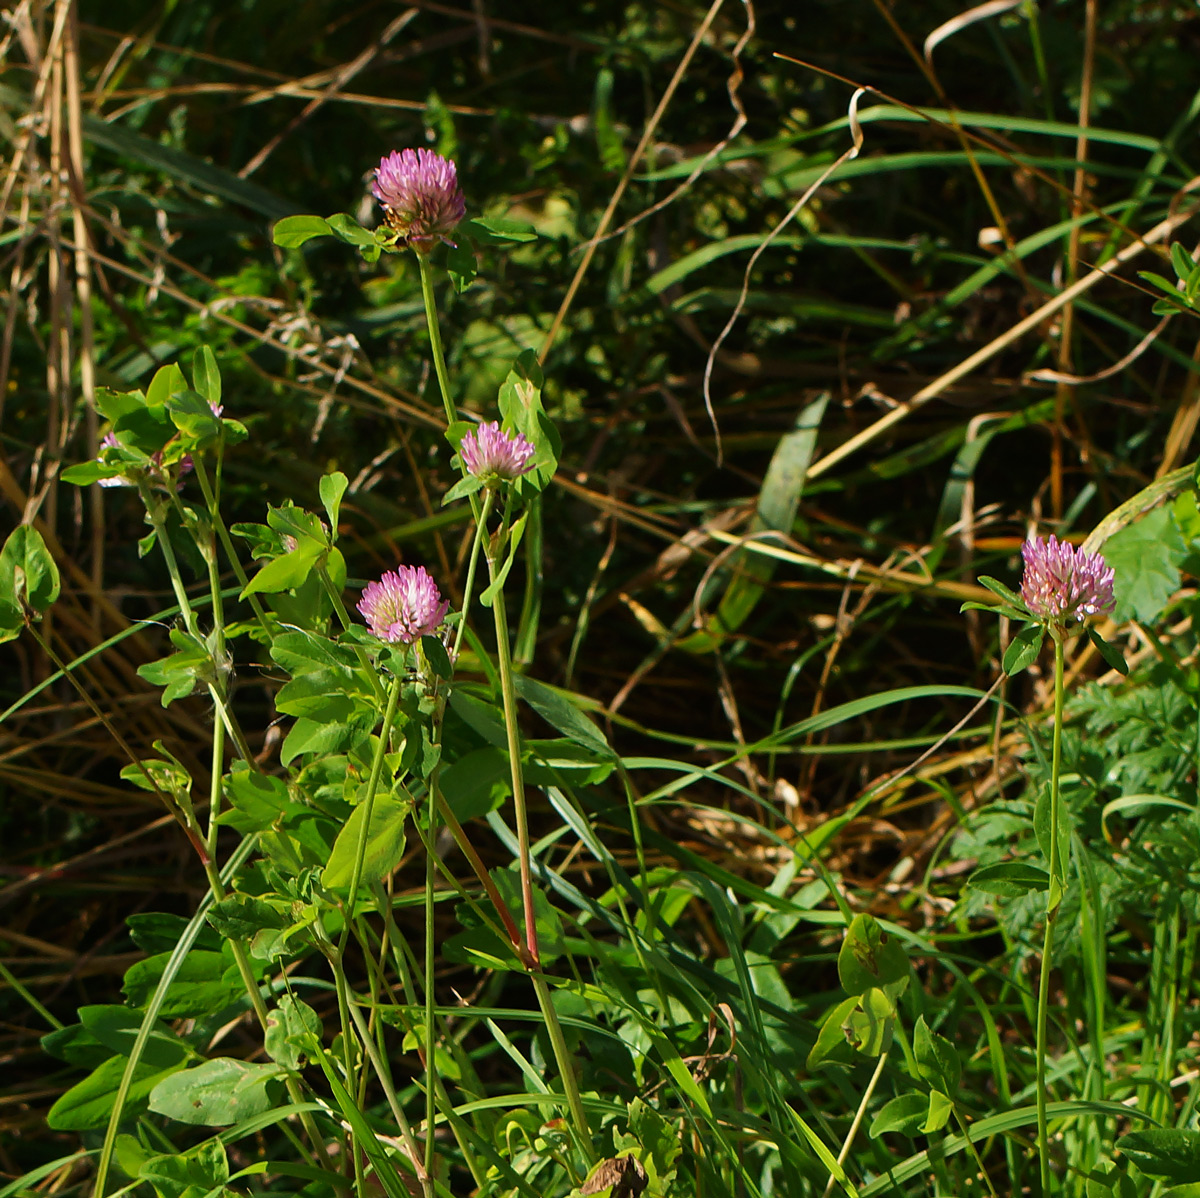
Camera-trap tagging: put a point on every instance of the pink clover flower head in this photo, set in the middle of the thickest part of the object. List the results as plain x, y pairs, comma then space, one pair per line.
421, 199
490, 453
1062, 583
403, 605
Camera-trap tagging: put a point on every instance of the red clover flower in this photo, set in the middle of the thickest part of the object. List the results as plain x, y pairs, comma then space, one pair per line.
489, 453
1063, 584
421, 199
403, 605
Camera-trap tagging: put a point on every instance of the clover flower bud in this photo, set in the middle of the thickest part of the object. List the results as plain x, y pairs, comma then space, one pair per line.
403, 605
421, 199
1063, 584
489, 453
111, 441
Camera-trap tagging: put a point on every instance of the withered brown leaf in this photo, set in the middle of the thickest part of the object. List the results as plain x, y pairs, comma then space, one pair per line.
624, 1175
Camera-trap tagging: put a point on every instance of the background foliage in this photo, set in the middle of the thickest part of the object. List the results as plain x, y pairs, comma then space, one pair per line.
150, 148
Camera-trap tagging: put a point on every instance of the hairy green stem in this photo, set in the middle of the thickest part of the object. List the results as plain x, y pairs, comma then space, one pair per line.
348, 1039
509, 695
254, 991
368, 806
530, 948
389, 1092
344, 616
216, 693
431, 1072
1053, 898
214, 512
480, 532
435, 337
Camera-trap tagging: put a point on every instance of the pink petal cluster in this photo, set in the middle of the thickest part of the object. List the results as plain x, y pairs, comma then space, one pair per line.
420, 195
1062, 583
403, 605
489, 453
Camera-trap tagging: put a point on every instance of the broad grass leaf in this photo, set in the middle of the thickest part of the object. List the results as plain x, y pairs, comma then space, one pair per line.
240, 916
832, 1047
177, 166
903, 1114
200, 1170
1169, 1152
206, 983
87, 1105
117, 1027
937, 1060
28, 574
1009, 879
293, 231
940, 1109
289, 1029
1145, 557
778, 501
556, 709
476, 784
384, 847
869, 958
215, 1094
285, 573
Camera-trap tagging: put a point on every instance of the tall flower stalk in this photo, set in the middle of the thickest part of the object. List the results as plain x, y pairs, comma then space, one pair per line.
409, 186
1061, 589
